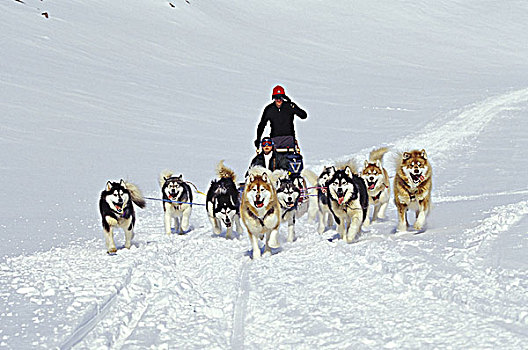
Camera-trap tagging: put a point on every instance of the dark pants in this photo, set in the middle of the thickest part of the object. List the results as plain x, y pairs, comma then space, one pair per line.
284, 141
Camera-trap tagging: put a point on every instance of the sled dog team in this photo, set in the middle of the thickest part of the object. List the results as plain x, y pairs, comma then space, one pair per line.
345, 196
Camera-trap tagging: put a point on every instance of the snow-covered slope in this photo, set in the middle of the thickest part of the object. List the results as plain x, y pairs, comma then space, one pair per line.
103, 90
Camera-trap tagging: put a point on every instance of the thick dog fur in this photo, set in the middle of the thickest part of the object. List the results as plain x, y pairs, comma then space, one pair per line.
348, 202
292, 200
116, 208
319, 205
260, 210
412, 188
177, 199
378, 185
222, 201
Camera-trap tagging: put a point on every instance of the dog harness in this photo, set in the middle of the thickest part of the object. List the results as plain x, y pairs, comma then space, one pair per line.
261, 221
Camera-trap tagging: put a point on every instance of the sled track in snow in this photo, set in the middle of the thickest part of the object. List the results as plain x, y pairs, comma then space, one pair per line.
95, 316
239, 314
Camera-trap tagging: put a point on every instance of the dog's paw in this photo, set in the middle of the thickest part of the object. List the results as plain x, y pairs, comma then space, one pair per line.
112, 251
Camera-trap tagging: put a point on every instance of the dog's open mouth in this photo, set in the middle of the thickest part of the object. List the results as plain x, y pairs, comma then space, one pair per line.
371, 184
290, 204
417, 178
340, 199
259, 204
118, 207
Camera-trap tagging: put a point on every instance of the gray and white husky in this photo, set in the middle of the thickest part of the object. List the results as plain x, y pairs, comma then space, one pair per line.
222, 201
177, 202
291, 196
116, 208
319, 204
348, 202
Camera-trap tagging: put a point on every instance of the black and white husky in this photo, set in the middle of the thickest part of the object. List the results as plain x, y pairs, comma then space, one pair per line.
222, 201
348, 202
319, 205
177, 199
115, 206
291, 196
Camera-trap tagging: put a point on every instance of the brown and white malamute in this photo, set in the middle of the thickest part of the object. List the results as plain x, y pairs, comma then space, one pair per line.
378, 185
260, 210
412, 188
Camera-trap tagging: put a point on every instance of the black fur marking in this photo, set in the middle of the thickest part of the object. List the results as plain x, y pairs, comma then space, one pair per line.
106, 210
360, 192
223, 194
184, 196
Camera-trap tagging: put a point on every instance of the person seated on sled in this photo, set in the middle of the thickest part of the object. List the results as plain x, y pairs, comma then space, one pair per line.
280, 115
269, 158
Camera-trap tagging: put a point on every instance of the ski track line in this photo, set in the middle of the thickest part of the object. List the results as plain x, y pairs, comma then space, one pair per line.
237, 335
449, 199
502, 219
99, 314
441, 138
441, 141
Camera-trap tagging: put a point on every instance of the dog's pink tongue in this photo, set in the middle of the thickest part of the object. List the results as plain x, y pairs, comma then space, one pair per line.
340, 200
371, 187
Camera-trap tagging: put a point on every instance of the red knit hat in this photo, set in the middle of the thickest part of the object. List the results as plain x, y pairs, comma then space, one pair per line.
278, 91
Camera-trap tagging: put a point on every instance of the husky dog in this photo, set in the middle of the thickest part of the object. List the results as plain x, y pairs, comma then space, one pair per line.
115, 206
260, 209
348, 202
290, 194
412, 188
320, 204
177, 199
222, 202
377, 181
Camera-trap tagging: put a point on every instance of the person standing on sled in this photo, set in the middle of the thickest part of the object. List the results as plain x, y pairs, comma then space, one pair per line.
280, 115
268, 158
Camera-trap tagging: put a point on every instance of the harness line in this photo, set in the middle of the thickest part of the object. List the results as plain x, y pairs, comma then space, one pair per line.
169, 201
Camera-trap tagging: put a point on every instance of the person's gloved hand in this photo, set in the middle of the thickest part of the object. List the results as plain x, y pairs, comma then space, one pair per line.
286, 98
257, 143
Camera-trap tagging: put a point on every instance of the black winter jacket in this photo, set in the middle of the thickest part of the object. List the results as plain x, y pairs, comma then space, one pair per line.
277, 161
281, 120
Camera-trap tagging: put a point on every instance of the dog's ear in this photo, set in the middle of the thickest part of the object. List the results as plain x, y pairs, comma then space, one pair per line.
366, 164
122, 183
251, 178
378, 163
348, 171
406, 155
332, 170
424, 155
265, 177
278, 183
180, 177
108, 186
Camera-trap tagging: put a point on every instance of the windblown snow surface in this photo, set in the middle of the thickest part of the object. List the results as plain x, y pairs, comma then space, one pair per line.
104, 90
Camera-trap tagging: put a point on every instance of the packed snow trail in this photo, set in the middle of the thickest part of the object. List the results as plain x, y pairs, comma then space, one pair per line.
436, 289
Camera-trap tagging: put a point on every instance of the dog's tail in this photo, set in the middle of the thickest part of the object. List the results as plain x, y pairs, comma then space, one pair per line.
377, 154
136, 195
165, 174
225, 172
351, 163
310, 176
279, 174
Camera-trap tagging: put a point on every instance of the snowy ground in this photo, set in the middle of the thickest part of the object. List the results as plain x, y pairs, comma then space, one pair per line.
103, 90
